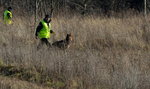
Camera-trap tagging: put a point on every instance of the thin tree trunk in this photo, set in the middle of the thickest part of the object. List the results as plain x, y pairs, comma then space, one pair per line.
36, 8
52, 8
145, 7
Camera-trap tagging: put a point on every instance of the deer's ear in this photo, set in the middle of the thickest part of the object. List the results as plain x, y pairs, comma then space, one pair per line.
70, 34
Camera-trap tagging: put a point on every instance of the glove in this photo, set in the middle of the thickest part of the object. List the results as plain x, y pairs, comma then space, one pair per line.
52, 32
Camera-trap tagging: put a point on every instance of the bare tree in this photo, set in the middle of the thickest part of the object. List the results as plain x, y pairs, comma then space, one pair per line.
145, 7
83, 6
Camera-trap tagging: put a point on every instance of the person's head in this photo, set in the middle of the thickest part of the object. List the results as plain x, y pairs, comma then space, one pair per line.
9, 8
47, 19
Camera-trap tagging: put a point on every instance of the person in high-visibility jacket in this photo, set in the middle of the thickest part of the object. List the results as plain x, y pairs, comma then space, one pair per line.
43, 31
8, 16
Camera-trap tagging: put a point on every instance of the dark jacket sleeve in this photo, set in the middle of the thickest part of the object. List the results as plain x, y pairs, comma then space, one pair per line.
8, 15
39, 27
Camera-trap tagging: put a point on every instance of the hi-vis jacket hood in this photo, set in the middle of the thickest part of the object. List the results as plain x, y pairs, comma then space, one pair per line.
7, 19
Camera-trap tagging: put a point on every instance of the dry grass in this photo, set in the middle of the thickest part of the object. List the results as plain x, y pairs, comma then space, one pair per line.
12, 83
107, 53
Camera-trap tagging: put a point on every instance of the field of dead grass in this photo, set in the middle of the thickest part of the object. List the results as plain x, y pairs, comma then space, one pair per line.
107, 53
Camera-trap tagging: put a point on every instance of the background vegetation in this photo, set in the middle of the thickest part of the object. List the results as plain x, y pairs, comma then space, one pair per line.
108, 7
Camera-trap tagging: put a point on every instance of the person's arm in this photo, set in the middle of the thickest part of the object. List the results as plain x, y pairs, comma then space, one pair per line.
3, 16
51, 31
8, 15
40, 26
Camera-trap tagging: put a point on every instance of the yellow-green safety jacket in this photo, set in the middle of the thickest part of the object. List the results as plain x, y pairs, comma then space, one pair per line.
7, 19
45, 31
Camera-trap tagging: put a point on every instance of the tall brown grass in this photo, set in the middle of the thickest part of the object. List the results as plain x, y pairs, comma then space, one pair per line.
107, 53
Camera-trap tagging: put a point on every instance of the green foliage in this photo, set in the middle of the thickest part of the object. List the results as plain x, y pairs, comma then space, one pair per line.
59, 84
1, 62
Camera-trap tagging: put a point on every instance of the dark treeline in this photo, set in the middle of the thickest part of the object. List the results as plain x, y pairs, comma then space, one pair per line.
79, 6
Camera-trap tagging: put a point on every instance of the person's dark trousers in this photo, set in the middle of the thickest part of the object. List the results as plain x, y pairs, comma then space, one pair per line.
44, 41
